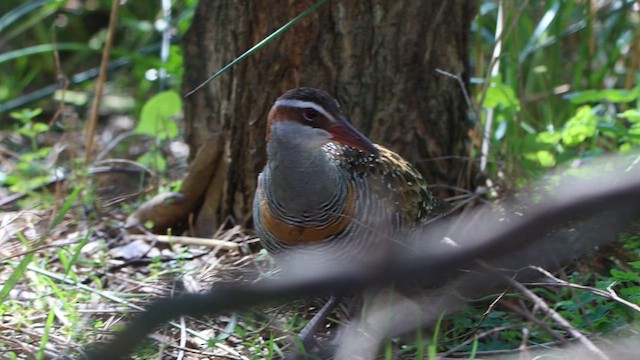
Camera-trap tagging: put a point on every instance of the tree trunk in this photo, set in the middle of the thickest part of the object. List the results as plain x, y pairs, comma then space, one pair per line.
378, 58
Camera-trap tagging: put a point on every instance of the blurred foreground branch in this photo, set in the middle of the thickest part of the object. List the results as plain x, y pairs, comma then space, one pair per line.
574, 217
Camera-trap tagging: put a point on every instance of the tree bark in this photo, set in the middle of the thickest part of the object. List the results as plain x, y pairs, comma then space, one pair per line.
377, 57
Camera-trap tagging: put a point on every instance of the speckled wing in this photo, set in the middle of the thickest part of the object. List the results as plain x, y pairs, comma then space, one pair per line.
394, 179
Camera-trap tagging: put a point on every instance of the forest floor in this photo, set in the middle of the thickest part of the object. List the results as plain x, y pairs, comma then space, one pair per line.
73, 274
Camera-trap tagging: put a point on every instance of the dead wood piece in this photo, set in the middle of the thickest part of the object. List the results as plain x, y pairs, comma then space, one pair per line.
170, 209
187, 240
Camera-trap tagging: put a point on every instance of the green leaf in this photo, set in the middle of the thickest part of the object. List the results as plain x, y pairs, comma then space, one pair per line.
499, 94
632, 115
156, 116
546, 137
634, 132
175, 65
546, 158
40, 128
611, 95
580, 127
229, 329
625, 276
25, 115
625, 147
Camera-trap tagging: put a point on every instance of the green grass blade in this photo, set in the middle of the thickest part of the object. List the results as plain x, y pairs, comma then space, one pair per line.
47, 48
541, 28
419, 343
262, 43
17, 272
65, 208
474, 348
76, 252
45, 335
40, 49
18, 12
432, 349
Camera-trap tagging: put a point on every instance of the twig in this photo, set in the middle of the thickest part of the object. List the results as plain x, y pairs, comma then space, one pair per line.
538, 302
106, 54
609, 294
62, 78
467, 99
183, 338
531, 317
27, 349
188, 240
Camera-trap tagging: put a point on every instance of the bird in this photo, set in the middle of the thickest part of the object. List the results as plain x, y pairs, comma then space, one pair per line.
329, 196
328, 191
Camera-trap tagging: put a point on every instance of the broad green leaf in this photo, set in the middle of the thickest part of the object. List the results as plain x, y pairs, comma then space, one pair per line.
625, 276
546, 137
625, 147
632, 115
175, 64
156, 116
546, 158
611, 95
634, 132
499, 94
40, 127
580, 127
25, 115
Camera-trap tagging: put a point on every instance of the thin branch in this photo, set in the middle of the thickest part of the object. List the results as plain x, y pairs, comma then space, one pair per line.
609, 294
532, 318
188, 240
102, 77
562, 322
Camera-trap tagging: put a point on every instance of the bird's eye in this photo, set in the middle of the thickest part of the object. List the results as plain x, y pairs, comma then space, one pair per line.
310, 114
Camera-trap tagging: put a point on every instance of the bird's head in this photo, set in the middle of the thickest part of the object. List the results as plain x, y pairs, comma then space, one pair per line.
314, 117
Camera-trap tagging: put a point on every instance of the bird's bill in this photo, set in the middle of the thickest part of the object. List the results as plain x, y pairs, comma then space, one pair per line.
345, 133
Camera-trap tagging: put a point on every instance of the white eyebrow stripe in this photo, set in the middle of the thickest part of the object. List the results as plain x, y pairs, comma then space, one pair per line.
303, 105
